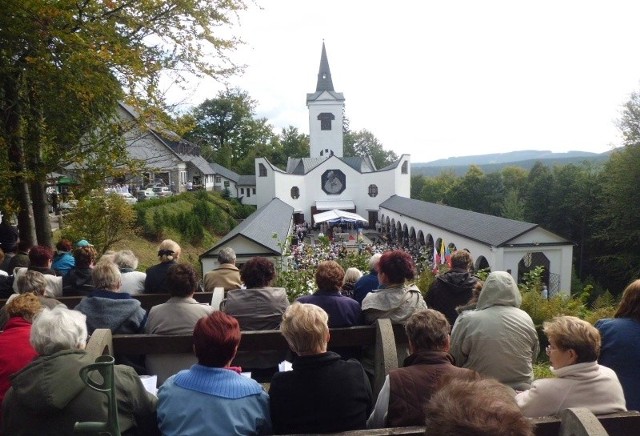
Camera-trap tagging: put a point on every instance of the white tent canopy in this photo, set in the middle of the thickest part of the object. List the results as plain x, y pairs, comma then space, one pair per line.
336, 215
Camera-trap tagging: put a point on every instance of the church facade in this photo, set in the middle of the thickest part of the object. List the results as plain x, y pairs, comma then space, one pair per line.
327, 179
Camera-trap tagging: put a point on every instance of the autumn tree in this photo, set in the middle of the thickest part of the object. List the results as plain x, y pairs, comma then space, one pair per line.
65, 64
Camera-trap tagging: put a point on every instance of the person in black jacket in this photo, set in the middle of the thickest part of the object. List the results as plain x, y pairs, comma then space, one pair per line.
453, 288
323, 393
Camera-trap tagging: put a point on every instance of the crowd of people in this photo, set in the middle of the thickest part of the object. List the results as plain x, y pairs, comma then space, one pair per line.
469, 344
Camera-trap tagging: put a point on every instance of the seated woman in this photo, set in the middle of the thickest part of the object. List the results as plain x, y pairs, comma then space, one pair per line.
351, 276
259, 307
211, 398
177, 316
49, 397
40, 259
78, 281
63, 260
15, 350
323, 393
342, 310
132, 280
32, 282
621, 344
156, 280
396, 299
580, 381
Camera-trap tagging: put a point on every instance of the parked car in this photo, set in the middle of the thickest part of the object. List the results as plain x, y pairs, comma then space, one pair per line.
146, 194
128, 197
162, 191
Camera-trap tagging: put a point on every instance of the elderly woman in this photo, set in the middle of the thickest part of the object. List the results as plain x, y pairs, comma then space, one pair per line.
212, 398
177, 316
259, 307
351, 276
78, 281
574, 346
621, 344
15, 350
108, 308
48, 396
323, 394
132, 280
396, 299
156, 281
342, 310
30, 282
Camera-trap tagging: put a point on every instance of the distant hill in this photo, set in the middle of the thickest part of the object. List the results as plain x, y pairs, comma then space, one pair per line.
490, 163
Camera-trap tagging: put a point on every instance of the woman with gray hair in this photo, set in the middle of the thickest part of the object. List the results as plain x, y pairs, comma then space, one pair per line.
132, 280
30, 282
49, 397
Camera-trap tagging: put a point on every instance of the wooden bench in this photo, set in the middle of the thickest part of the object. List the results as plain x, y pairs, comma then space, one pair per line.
571, 422
382, 335
146, 300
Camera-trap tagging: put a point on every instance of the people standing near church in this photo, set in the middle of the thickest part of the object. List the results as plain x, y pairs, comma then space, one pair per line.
498, 339
323, 393
406, 390
156, 280
621, 343
368, 282
226, 275
453, 288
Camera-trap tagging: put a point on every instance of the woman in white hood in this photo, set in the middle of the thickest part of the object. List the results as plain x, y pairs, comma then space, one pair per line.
498, 339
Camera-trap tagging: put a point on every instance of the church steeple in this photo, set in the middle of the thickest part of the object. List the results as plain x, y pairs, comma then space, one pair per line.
324, 73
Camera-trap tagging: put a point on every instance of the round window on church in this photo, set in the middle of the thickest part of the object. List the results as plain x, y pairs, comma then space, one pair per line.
295, 192
373, 190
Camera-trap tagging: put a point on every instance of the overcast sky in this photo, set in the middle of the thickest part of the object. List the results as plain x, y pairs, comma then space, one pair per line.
447, 78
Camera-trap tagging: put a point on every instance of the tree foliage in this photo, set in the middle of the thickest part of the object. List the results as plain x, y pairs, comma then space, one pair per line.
363, 142
65, 64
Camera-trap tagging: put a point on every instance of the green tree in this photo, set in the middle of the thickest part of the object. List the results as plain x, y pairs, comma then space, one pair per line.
64, 65
226, 129
537, 198
436, 189
512, 206
363, 143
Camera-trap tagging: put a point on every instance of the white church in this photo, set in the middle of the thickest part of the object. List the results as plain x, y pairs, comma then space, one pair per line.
329, 180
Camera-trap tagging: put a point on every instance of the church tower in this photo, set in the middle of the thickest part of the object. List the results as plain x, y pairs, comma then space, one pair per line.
326, 109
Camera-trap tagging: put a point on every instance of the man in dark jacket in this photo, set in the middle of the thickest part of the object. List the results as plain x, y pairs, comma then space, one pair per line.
406, 390
453, 288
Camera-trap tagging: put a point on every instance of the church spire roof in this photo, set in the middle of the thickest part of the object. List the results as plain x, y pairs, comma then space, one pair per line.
324, 73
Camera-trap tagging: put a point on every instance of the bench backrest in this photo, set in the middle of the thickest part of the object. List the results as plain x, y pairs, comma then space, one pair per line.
382, 335
146, 300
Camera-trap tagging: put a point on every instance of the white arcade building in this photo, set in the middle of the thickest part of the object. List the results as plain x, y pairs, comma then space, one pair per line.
328, 180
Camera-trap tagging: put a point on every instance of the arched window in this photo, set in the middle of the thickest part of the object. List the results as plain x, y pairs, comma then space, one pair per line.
295, 192
373, 190
405, 167
262, 169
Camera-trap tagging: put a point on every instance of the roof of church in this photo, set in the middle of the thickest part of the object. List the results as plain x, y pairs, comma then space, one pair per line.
272, 218
199, 162
303, 165
325, 84
487, 229
247, 180
324, 73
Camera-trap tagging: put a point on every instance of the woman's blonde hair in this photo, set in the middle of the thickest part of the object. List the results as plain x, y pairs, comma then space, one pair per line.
572, 333
168, 250
305, 327
24, 305
351, 275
